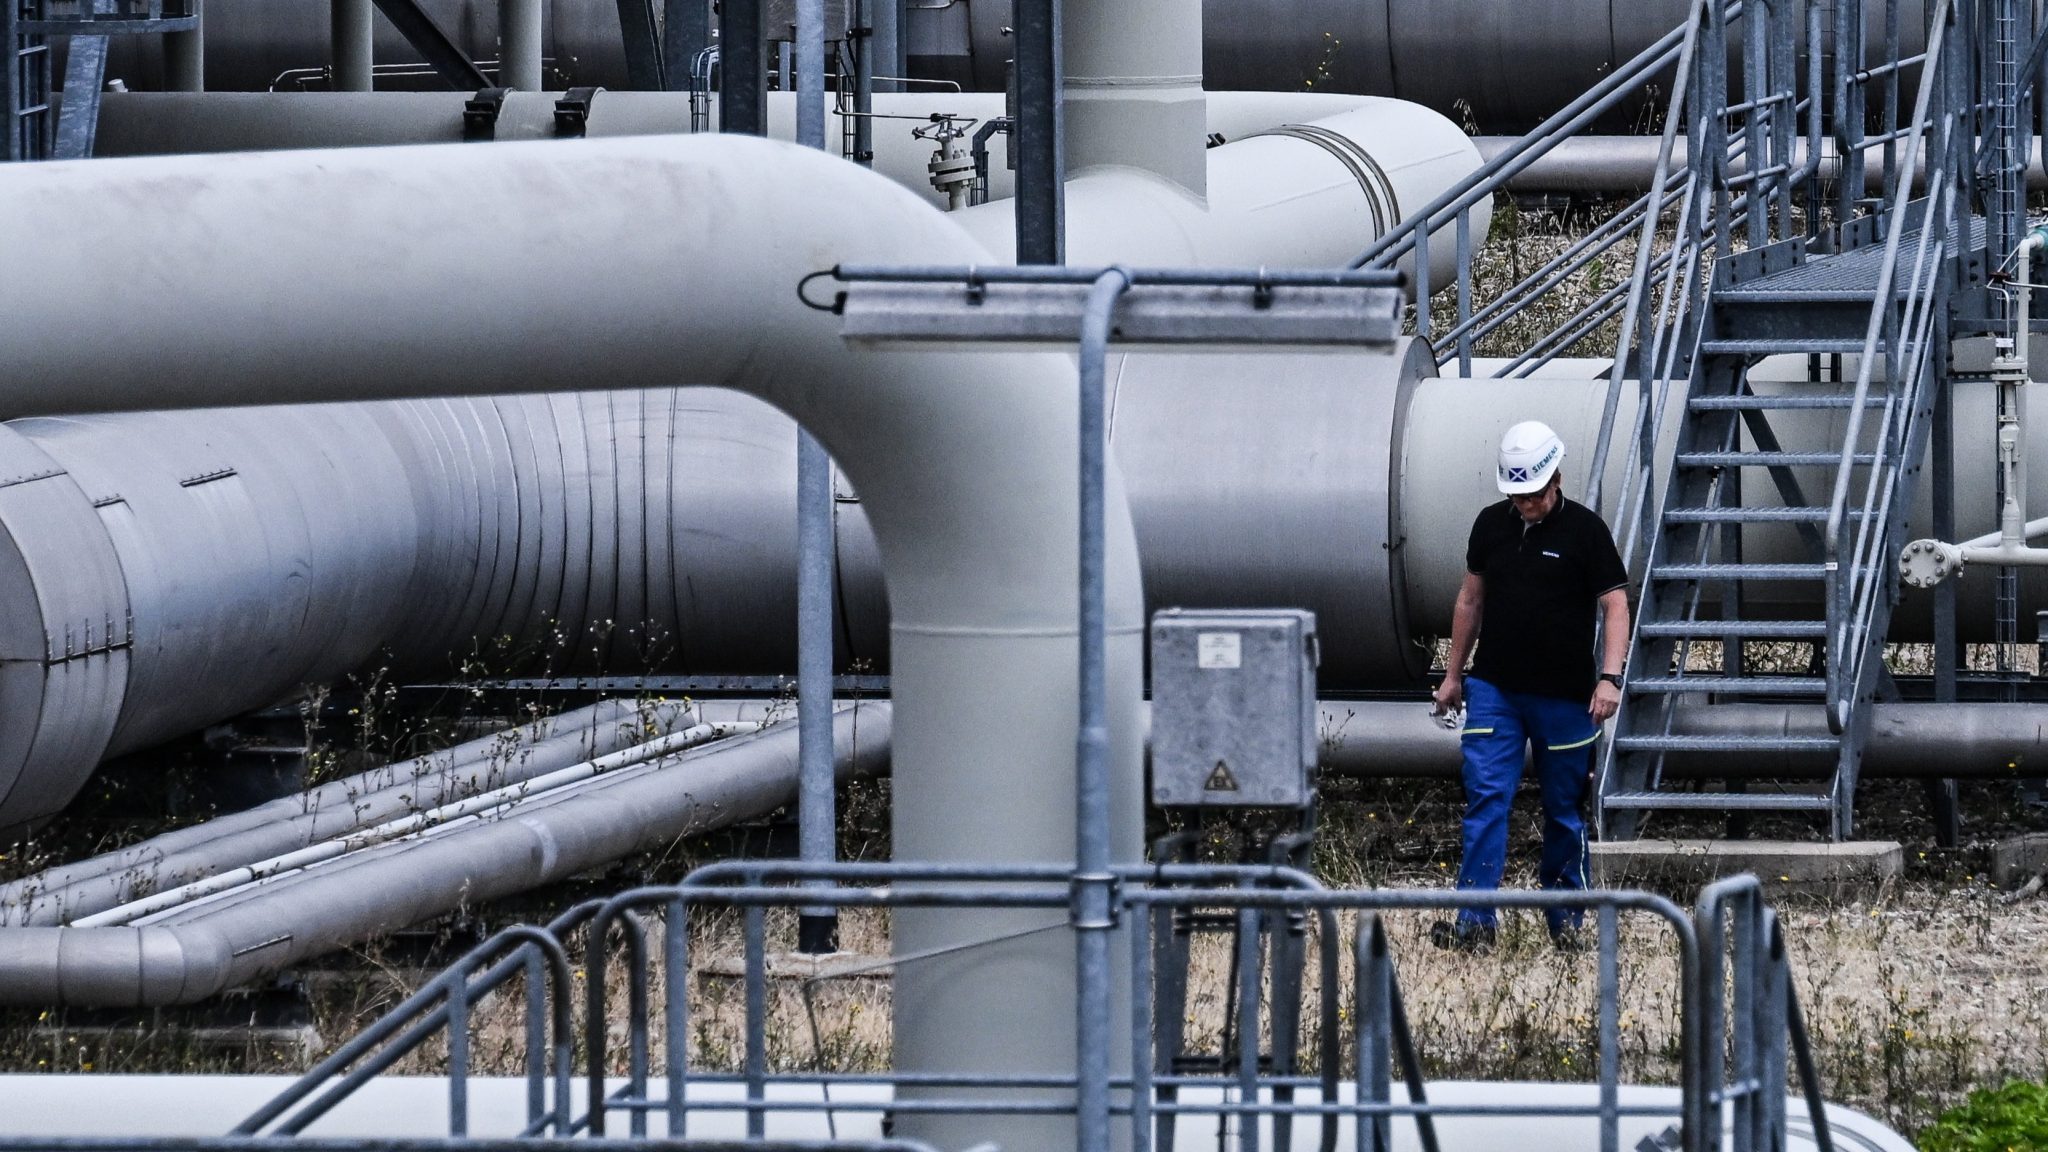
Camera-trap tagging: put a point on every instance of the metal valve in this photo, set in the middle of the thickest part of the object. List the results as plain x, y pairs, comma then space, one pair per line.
951, 166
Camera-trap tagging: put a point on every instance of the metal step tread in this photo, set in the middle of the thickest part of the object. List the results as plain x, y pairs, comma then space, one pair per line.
1722, 801
1733, 685
1786, 346
1763, 292
1727, 744
1739, 572
1749, 629
1813, 514
1768, 459
1779, 403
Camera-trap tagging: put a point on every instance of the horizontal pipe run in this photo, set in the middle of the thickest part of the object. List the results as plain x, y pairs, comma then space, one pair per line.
1623, 165
1907, 740
337, 808
205, 949
495, 803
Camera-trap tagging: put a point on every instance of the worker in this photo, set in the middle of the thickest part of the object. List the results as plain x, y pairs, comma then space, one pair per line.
1537, 569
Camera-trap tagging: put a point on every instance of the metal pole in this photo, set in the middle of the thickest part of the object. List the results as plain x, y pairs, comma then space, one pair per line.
810, 73
867, 47
185, 55
886, 20
1093, 915
349, 52
817, 928
519, 44
742, 93
1041, 124
685, 32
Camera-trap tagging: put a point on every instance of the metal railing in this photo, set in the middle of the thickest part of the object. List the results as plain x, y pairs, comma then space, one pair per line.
1750, 1023
1740, 1033
1859, 570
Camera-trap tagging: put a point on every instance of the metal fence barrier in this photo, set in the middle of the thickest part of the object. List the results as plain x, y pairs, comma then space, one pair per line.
1740, 1032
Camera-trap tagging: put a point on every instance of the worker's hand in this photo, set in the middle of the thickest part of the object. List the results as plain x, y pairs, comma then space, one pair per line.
1450, 695
1606, 699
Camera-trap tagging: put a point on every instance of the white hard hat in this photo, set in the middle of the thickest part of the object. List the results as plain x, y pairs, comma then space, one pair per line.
1529, 455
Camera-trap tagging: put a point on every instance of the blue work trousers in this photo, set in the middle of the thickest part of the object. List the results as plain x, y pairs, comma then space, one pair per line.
1498, 725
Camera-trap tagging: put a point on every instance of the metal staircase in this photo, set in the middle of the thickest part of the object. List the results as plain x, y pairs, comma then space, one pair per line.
1778, 351
1860, 312
37, 128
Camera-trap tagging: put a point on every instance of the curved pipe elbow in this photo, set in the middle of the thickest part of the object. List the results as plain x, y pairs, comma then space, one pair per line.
146, 967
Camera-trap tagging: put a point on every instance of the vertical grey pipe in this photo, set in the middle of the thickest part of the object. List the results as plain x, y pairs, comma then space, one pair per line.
817, 818
885, 42
1091, 911
810, 73
185, 55
349, 51
743, 87
519, 40
1041, 130
817, 927
864, 83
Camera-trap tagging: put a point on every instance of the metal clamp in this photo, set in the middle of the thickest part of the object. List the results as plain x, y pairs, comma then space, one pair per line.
572, 112
480, 115
1094, 900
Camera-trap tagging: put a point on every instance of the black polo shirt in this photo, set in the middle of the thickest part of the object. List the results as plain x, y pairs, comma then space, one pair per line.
1542, 582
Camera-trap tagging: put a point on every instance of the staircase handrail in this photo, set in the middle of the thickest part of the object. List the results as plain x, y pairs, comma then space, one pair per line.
1494, 174
1845, 667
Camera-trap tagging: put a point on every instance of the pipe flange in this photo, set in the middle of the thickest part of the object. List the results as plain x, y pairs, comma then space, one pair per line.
1925, 563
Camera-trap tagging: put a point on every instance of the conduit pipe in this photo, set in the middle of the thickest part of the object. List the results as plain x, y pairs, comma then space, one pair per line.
336, 809
497, 802
359, 267
1624, 165
1907, 740
202, 949
164, 123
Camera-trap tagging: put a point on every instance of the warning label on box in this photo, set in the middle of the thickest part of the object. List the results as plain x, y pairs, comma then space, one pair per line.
1218, 650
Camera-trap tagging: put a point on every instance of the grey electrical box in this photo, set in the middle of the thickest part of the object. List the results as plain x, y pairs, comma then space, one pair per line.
1233, 708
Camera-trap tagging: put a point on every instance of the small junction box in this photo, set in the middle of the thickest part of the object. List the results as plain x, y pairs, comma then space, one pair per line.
1233, 708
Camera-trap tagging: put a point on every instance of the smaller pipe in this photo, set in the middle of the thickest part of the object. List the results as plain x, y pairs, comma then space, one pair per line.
336, 808
499, 798
817, 823
185, 55
1914, 740
350, 50
519, 45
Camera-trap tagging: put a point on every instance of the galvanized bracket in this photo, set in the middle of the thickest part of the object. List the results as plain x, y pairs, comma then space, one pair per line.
1095, 901
572, 112
1188, 309
480, 115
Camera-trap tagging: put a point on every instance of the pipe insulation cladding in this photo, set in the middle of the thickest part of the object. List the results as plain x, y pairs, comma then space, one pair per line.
1500, 66
232, 554
360, 270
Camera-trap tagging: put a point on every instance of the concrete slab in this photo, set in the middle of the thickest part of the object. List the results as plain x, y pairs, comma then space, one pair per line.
1858, 869
2019, 859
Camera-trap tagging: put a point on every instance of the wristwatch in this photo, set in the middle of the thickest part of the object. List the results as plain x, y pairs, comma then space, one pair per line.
1613, 678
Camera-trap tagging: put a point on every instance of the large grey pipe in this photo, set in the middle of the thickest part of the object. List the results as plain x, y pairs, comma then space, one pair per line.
358, 268
198, 951
1501, 65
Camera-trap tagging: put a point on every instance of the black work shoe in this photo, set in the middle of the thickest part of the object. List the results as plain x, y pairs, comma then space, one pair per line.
1567, 938
1462, 937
